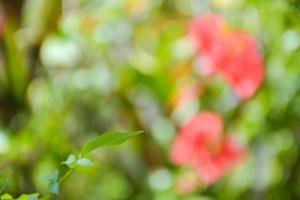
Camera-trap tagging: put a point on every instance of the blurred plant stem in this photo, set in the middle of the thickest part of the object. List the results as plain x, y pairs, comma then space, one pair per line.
20, 59
15, 79
65, 176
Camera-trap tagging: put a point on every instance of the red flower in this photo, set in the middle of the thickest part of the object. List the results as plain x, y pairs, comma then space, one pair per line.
202, 145
231, 53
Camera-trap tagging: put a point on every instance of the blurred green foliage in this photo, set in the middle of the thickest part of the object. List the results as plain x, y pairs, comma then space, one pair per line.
71, 69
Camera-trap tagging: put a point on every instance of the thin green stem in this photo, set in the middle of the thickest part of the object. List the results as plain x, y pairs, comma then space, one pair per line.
65, 176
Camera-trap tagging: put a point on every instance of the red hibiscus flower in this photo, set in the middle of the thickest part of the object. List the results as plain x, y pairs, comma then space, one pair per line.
202, 145
232, 53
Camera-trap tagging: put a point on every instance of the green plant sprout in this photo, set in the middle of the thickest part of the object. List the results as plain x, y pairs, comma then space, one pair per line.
55, 179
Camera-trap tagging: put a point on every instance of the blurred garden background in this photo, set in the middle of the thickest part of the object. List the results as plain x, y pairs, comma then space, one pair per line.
73, 69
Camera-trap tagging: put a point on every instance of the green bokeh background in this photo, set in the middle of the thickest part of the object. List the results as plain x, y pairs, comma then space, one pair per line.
72, 69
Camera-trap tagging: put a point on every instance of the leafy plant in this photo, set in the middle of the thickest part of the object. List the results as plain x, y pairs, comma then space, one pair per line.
55, 179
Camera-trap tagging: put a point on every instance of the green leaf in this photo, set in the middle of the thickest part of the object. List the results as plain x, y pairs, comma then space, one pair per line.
53, 177
6, 197
84, 162
70, 162
32, 197
29, 196
54, 187
108, 138
53, 184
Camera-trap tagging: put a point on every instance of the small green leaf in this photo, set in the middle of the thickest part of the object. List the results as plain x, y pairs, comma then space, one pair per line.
32, 197
70, 162
108, 138
6, 197
53, 177
54, 187
84, 162
29, 196
53, 184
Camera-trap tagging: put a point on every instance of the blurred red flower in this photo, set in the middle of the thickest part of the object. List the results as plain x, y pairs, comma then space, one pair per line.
232, 53
202, 145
